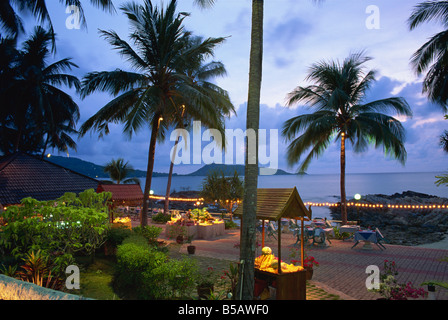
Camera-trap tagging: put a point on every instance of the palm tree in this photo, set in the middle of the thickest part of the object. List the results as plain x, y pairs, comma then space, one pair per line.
153, 95
33, 95
225, 190
12, 23
248, 230
340, 113
202, 73
118, 171
432, 57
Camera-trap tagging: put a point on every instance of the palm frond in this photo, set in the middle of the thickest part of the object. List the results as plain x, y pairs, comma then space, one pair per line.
427, 11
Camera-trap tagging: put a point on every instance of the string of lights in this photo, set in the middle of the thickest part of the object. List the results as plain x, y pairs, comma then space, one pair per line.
328, 204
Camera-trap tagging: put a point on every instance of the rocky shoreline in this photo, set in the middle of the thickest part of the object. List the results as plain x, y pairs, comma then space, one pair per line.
404, 226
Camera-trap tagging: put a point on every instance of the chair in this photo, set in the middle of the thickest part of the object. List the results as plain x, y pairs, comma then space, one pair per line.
380, 238
298, 234
272, 230
319, 236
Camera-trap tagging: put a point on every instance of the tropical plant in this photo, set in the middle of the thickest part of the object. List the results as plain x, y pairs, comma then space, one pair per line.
227, 191
68, 225
432, 57
341, 113
37, 269
155, 93
201, 72
118, 171
32, 97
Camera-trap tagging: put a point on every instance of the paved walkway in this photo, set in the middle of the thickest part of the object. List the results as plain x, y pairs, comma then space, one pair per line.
342, 269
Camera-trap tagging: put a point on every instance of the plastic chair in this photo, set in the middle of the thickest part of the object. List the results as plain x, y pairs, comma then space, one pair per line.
297, 233
319, 236
380, 238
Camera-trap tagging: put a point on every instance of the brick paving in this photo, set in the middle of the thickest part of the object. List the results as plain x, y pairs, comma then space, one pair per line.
342, 269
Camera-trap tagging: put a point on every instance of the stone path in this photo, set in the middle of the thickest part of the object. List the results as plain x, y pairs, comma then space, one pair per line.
342, 269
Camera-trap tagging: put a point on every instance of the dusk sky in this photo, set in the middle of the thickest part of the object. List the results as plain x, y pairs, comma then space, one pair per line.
297, 34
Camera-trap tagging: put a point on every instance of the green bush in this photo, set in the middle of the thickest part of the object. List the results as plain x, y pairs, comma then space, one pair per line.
161, 217
145, 273
68, 225
230, 224
116, 236
151, 233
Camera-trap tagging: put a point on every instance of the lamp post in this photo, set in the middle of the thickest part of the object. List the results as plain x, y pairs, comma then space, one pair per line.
357, 198
151, 192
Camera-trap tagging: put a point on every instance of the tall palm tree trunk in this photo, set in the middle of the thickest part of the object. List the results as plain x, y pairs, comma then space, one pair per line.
343, 195
248, 229
150, 168
170, 177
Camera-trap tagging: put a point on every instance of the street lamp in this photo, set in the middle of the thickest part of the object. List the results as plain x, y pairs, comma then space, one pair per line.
357, 198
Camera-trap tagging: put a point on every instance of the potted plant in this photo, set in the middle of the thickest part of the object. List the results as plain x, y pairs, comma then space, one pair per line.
205, 283
309, 263
191, 248
178, 232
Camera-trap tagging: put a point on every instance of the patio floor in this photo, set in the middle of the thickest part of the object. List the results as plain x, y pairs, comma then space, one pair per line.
342, 270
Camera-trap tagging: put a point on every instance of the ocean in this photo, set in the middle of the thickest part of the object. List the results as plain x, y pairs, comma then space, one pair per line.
325, 187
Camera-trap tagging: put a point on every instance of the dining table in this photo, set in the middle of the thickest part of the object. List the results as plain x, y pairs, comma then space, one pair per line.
368, 237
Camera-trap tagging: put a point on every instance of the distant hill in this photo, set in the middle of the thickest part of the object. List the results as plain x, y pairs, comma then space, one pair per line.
228, 170
97, 171
94, 170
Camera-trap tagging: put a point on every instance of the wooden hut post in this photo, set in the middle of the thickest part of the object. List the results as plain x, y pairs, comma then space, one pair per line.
262, 234
279, 229
301, 242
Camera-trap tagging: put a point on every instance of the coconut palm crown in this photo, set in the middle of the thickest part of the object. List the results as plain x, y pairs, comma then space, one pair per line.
432, 57
341, 114
156, 93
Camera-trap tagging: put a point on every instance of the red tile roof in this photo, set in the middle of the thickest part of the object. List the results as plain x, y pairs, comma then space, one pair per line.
23, 175
123, 192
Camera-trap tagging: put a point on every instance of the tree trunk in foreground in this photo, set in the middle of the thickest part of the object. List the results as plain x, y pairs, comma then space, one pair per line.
245, 288
343, 195
152, 150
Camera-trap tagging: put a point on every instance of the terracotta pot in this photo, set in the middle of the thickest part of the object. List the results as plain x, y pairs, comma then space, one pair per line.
309, 273
205, 291
191, 249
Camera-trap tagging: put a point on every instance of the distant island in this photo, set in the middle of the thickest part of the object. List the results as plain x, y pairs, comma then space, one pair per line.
97, 171
228, 170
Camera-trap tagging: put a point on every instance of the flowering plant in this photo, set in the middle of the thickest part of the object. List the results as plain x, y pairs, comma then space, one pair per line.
310, 262
208, 279
389, 287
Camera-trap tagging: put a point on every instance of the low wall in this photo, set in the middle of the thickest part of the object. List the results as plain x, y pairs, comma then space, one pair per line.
13, 289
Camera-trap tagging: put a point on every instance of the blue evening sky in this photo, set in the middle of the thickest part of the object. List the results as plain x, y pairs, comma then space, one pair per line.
297, 34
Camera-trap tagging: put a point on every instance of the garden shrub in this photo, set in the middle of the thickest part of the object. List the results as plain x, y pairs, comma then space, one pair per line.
67, 225
161, 217
143, 272
151, 233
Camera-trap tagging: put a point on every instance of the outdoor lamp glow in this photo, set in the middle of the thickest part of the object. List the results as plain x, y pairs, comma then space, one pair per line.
357, 196
151, 192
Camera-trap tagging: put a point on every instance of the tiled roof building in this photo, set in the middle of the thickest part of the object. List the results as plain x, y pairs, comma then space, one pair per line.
23, 175
123, 194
